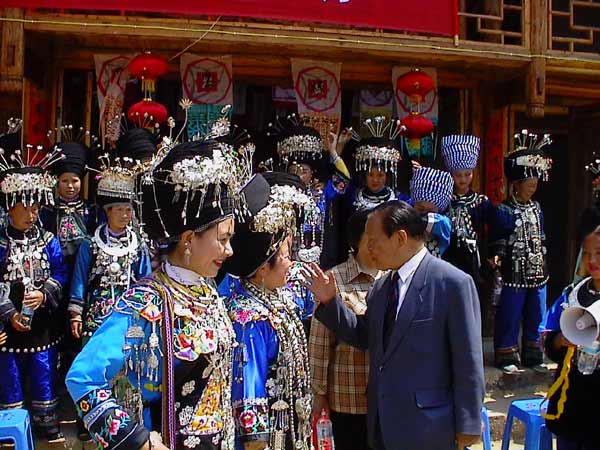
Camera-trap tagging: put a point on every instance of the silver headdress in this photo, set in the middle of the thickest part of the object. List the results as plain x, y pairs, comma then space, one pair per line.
528, 159
24, 175
379, 149
296, 142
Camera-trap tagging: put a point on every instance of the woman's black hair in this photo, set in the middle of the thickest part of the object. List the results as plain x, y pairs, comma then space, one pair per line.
399, 215
356, 228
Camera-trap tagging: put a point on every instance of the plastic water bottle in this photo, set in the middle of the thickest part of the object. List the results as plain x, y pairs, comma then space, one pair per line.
325, 432
588, 358
26, 316
497, 286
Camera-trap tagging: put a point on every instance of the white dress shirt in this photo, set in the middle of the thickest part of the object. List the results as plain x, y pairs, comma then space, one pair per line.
406, 273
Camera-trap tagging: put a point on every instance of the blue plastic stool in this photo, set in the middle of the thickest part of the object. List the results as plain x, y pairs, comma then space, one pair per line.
15, 426
486, 435
537, 437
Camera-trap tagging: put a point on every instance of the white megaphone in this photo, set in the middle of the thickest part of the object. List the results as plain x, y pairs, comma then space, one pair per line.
581, 326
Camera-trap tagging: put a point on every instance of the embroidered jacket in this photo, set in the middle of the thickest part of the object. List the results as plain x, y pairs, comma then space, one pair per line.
105, 267
165, 328
271, 357
32, 261
469, 213
518, 237
70, 222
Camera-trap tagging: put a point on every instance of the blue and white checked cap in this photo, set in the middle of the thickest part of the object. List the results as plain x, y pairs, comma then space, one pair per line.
460, 152
431, 185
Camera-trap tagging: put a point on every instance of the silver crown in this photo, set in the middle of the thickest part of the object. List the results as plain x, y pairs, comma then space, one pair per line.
530, 141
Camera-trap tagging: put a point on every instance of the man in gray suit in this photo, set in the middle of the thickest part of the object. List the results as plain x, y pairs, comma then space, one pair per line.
423, 331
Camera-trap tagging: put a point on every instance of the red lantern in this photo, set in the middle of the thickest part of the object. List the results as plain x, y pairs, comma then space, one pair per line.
148, 67
415, 85
417, 127
147, 113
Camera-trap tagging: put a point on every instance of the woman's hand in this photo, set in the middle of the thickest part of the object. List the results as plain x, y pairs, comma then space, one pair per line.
3, 338
17, 324
495, 262
34, 299
76, 326
321, 284
342, 140
154, 442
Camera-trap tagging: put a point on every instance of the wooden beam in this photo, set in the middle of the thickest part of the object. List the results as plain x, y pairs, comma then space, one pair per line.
12, 53
536, 73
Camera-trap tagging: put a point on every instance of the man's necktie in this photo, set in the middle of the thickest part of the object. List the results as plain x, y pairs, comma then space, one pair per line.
391, 311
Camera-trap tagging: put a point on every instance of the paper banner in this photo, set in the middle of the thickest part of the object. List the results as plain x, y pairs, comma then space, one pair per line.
428, 107
317, 86
207, 80
112, 73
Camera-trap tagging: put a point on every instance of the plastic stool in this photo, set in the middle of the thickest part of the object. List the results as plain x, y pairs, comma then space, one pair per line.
537, 437
486, 436
486, 433
15, 426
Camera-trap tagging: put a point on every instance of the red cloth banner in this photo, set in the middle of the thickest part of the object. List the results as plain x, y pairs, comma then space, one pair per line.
422, 16
494, 163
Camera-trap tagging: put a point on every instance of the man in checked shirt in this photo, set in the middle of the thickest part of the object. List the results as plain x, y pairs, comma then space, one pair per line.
340, 372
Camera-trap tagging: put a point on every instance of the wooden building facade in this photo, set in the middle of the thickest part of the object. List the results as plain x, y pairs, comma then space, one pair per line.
514, 64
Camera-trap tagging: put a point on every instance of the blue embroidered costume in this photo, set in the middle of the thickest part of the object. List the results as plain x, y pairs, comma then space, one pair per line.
33, 256
106, 266
517, 237
271, 377
166, 351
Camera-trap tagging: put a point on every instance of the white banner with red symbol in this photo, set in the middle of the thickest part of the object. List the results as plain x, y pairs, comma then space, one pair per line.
317, 86
427, 105
207, 80
112, 73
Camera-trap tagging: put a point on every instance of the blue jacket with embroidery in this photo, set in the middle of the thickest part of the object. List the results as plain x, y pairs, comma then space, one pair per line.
49, 274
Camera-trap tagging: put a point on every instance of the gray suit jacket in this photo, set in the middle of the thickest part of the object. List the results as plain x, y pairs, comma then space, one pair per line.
428, 385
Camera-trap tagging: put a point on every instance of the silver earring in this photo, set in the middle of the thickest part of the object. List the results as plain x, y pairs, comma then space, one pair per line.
187, 253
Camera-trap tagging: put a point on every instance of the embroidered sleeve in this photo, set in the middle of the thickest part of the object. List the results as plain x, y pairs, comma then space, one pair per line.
440, 228
58, 274
144, 266
501, 229
80, 279
7, 309
258, 347
337, 185
550, 327
109, 424
542, 232
88, 383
